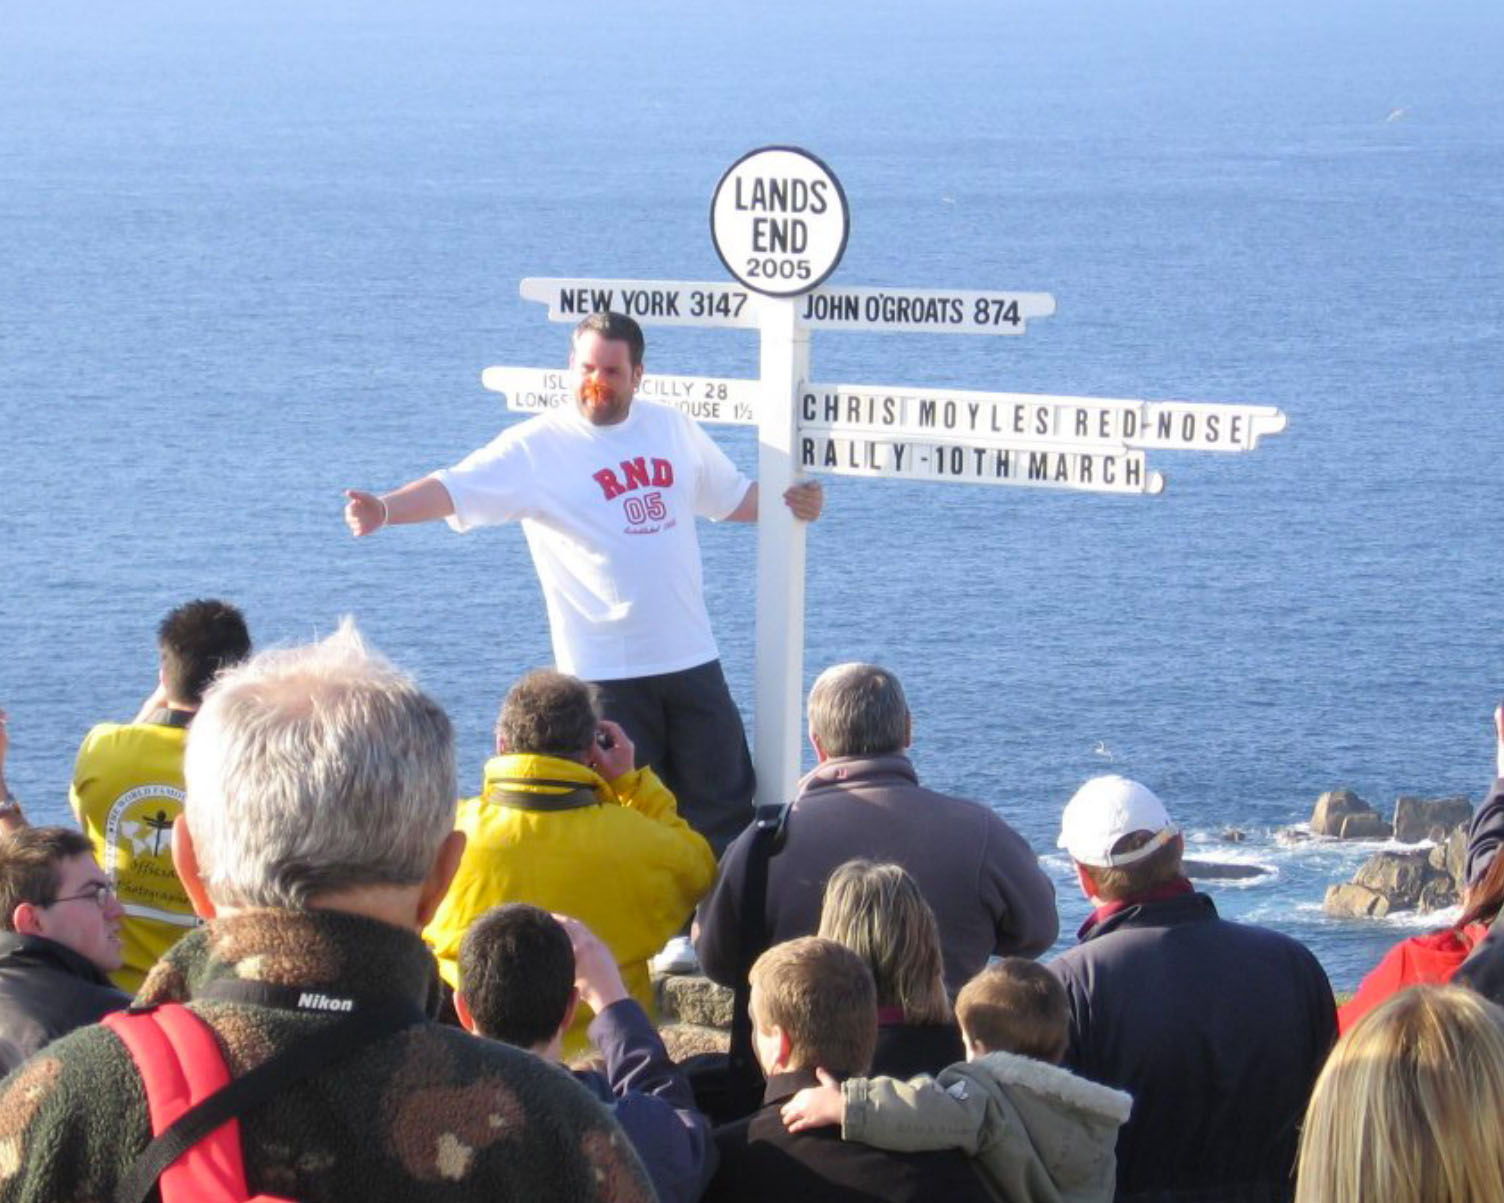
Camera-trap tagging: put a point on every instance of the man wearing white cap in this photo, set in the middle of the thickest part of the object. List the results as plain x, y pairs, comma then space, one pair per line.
1216, 1029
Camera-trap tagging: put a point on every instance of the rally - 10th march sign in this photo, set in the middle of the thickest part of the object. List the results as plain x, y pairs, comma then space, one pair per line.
779, 222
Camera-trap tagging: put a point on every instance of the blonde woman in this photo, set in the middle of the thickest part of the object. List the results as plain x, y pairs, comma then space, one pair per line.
877, 911
1407, 1109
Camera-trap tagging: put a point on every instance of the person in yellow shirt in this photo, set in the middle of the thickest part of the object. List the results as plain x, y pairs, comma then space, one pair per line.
128, 782
567, 824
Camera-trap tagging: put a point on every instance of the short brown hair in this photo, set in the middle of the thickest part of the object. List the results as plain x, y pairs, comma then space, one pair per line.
29, 860
517, 974
821, 995
197, 642
1127, 882
616, 328
548, 713
1016, 1006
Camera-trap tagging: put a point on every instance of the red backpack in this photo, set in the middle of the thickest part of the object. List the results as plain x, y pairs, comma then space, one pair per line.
193, 1101
180, 1065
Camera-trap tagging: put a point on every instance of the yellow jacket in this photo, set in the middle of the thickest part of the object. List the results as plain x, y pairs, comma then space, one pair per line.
127, 789
625, 864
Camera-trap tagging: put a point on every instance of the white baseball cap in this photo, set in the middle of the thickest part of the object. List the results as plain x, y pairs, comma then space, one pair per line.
1106, 809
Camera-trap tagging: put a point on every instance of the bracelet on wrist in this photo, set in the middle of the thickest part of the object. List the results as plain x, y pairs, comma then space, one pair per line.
385, 513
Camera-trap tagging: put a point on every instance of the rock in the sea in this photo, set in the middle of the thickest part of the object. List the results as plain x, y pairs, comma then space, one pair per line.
1417, 819
1221, 870
1398, 876
1395, 881
1335, 807
1450, 856
1232, 835
1456, 846
1364, 827
1349, 901
1437, 895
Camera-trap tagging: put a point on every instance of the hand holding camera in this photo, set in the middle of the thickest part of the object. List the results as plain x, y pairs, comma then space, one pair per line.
614, 752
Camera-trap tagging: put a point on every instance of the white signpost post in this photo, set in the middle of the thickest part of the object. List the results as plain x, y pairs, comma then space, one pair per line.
780, 222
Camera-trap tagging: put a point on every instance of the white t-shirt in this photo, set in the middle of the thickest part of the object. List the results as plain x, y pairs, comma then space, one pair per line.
609, 514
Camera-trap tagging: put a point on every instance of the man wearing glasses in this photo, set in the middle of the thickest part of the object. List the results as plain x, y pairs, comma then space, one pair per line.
59, 937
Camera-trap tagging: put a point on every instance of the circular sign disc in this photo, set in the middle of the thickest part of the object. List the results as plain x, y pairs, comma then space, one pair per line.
779, 221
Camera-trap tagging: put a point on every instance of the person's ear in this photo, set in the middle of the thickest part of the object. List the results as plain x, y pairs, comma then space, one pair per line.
814, 741
501, 744
785, 1049
445, 865
1086, 881
462, 1010
570, 1011
185, 861
25, 920
636, 376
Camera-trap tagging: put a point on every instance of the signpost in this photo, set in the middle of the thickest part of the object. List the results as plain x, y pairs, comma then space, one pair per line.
780, 222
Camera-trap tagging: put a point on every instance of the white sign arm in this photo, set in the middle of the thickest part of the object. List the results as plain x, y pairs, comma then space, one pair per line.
648, 302
721, 399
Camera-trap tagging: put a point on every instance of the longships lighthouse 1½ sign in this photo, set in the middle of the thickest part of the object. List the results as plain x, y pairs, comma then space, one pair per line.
779, 220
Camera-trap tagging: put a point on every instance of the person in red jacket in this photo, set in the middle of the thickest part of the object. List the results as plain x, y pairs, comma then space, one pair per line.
1434, 957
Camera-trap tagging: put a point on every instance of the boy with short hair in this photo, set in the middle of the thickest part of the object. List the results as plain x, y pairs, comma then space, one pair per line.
1038, 1132
522, 974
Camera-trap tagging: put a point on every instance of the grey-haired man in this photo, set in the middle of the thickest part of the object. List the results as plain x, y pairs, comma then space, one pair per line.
317, 838
863, 799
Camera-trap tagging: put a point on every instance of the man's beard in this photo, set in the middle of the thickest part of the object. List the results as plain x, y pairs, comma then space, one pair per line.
596, 391
600, 403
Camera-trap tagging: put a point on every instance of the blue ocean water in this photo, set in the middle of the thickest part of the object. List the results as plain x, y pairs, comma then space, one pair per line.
251, 256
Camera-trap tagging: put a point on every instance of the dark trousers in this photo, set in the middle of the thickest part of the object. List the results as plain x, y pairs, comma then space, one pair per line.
687, 729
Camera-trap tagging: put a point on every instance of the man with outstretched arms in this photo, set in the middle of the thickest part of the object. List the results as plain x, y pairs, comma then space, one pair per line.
128, 782
607, 491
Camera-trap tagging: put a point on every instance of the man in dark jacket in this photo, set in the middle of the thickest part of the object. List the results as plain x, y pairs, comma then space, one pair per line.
522, 974
1216, 1029
814, 1006
863, 799
59, 936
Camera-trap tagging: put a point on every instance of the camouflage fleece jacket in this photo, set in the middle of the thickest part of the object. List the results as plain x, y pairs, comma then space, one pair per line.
426, 1114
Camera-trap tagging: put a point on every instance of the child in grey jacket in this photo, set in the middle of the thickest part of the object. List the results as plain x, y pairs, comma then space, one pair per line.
1040, 1134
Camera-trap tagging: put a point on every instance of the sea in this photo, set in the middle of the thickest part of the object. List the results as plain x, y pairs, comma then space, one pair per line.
252, 255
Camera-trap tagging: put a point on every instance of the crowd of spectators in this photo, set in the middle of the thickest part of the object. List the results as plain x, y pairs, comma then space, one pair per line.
275, 891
